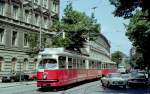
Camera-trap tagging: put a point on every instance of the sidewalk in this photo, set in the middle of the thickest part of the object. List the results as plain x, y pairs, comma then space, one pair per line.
9, 84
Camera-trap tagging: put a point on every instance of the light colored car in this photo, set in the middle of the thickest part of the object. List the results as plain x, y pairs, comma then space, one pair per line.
126, 76
121, 69
113, 79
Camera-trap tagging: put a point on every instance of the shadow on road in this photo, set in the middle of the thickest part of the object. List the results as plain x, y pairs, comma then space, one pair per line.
128, 90
63, 88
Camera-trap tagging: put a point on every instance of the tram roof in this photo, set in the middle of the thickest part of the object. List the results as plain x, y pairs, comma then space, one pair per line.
110, 62
60, 51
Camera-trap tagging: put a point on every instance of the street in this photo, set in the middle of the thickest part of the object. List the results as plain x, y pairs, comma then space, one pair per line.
88, 88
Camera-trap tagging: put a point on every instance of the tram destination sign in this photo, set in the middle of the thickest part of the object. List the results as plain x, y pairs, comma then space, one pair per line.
46, 55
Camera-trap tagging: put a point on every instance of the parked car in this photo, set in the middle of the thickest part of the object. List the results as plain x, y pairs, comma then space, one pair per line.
113, 79
138, 79
14, 77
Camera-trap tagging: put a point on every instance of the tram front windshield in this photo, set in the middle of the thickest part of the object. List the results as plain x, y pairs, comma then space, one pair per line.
48, 64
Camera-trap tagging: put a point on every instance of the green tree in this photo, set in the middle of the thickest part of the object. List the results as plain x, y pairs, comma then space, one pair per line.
78, 28
138, 30
139, 35
33, 39
137, 60
126, 8
117, 57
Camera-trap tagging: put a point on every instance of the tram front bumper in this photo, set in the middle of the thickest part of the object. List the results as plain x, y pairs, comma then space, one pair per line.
46, 83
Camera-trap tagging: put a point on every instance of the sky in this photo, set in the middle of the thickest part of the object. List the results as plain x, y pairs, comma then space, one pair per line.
111, 27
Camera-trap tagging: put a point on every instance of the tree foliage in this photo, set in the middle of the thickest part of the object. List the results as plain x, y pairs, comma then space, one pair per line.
139, 35
137, 60
117, 57
138, 30
78, 28
126, 8
34, 41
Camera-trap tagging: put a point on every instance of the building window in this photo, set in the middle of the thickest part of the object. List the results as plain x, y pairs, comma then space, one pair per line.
14, 38
14, 61
15, 12
1, 35
25, 64
45, 22
1, 8
36, 1
55, 6
26, 40
26, 16
36, 19
45, 3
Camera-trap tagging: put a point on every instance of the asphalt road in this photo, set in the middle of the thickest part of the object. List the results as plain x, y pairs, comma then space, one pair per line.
88, 88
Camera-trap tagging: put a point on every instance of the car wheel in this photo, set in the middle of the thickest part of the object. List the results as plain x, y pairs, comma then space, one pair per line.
12, 80
102, 83
124, 86
3, 81
108, 84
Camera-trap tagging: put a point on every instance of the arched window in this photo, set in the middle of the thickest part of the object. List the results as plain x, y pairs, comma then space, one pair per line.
14, 61
35, 60
25, 64
36, 64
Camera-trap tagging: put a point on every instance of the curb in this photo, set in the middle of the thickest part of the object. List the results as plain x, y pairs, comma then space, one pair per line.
16, 84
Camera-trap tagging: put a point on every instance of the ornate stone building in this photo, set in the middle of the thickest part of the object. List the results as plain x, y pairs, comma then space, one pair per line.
18, 18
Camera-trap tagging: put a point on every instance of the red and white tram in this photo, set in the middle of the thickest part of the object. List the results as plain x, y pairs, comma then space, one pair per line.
59, 67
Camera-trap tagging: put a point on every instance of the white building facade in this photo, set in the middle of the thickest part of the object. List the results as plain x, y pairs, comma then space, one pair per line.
100, 49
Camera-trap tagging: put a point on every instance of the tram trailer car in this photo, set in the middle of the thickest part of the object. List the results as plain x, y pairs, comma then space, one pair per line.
59, 67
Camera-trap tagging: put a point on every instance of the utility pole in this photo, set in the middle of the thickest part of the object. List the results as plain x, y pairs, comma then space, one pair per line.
94, 8
40, 37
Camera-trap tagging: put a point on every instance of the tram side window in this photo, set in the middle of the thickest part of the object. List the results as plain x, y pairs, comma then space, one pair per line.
70, 63
90, 65
108, 65
78, 64
83, 64
111, 66
62, 62
95, 65
99, 65
74, 63
103, 66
